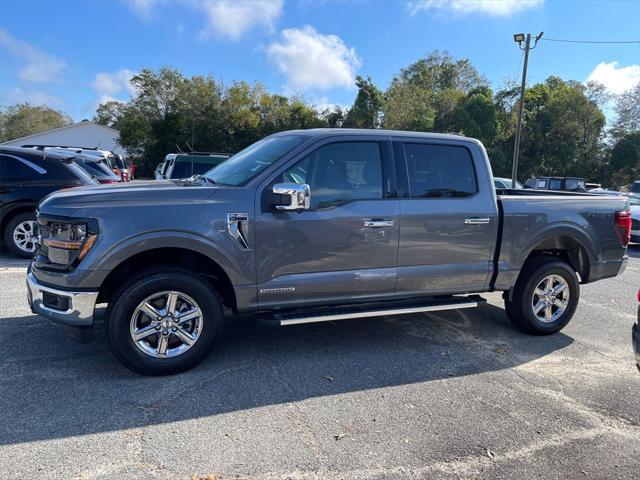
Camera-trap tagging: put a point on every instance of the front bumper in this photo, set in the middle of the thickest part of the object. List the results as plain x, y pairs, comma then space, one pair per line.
635, 335
73, 309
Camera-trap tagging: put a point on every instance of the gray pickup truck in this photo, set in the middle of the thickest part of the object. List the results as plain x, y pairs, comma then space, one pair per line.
316, 225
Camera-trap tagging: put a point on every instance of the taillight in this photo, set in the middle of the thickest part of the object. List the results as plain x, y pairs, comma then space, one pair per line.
623, 227
638, 296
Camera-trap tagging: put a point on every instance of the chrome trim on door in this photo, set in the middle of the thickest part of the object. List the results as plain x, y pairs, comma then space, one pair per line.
477, 221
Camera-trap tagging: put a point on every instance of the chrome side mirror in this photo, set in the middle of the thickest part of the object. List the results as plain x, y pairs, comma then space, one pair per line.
300, 195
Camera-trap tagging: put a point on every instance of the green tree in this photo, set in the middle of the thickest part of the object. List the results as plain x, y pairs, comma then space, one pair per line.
24, 119
562, 130
627, 108
171, 112
109, 113
365, 112
625, 159
425, 95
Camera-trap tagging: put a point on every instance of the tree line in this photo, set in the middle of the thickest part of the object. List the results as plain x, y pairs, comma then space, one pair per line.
564, 129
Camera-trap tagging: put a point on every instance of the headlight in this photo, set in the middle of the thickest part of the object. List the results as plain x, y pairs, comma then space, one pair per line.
65, 243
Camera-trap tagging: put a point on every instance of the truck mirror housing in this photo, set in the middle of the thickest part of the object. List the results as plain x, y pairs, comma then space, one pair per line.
298, 196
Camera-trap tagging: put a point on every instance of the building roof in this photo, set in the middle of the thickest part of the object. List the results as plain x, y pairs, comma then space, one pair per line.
73, 125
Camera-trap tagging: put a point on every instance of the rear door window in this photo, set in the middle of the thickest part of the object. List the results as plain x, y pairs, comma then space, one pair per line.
15, 169
555, 184
440, 171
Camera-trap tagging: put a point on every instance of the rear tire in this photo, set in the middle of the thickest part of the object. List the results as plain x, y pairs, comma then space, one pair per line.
165, 344
545, 296
19, 235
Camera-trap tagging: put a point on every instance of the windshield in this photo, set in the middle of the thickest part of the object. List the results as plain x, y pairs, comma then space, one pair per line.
99, 169
245, 165
80, 173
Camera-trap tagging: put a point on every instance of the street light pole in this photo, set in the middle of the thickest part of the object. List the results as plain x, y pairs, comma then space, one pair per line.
519, 38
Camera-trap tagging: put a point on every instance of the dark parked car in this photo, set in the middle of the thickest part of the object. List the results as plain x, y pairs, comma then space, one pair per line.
27, 176
311, 226
569, 184
635, 187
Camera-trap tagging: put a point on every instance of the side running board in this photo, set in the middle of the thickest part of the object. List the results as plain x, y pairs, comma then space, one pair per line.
371, 310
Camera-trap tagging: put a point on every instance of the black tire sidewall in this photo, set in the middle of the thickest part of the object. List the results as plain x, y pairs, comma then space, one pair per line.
119, 317
8, 233
526, 296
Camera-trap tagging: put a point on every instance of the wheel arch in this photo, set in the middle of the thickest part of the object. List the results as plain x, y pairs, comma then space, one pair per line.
570, 245
194, 260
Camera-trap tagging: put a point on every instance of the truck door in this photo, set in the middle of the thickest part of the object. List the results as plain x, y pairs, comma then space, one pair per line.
448, 218
343, 249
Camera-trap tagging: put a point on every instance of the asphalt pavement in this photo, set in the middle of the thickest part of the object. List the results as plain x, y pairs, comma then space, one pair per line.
457, 394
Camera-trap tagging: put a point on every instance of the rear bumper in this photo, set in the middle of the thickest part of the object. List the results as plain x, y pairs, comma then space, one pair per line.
608, 269
73, 309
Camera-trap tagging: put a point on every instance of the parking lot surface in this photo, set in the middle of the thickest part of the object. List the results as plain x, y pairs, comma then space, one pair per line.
458, 394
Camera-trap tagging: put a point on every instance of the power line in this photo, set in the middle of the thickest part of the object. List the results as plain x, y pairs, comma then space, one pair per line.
588, 41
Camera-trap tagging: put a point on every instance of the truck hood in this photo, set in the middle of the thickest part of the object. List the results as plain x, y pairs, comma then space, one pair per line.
130, 194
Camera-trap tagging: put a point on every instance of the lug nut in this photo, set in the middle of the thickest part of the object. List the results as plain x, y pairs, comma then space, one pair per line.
157, 327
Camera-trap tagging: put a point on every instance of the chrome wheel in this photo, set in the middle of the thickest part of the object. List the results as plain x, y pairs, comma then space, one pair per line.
166, 324
550, 298
24, 236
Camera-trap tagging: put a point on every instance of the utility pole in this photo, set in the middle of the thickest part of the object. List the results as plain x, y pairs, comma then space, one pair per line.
519, 38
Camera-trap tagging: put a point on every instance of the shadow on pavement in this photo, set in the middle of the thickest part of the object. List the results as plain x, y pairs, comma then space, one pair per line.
53, 387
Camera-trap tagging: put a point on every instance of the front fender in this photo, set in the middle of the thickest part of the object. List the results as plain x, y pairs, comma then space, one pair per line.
238, 264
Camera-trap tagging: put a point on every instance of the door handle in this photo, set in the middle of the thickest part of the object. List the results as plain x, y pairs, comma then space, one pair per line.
477, 221
378, 223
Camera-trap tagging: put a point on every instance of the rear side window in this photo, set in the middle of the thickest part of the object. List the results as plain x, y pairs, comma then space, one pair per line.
440, 171
555, 184
12, 169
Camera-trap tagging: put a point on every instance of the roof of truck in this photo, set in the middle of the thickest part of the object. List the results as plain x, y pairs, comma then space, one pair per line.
316, 132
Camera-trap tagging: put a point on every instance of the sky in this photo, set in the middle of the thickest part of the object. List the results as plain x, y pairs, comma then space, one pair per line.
72, 55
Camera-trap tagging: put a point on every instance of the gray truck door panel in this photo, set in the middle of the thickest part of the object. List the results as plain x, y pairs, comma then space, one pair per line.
344, 248
448, 220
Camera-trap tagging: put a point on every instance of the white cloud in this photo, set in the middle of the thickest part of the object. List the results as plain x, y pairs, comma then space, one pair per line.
498, 8
144, 9
19, 95
108, 86
229, 19
616, 79
309, 59
233, 18
39, 66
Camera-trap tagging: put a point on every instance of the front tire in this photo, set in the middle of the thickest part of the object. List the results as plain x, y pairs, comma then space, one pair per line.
19, 235
165, 321
545, 296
